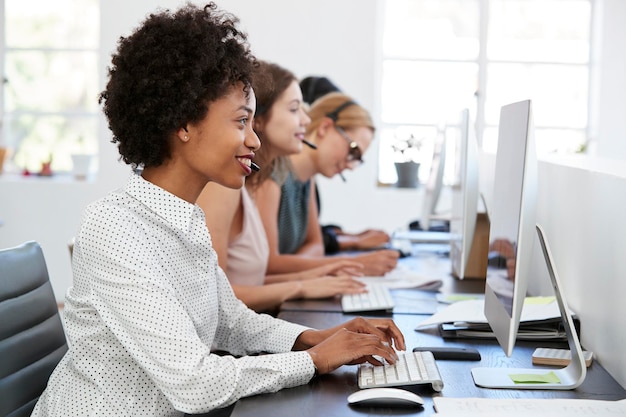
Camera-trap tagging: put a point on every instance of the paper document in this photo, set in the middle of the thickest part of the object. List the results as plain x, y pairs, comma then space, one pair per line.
421, 236
487, 407
403, 276
451, 298
472, 311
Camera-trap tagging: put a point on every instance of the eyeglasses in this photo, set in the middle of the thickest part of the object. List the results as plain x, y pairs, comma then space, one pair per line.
355, 155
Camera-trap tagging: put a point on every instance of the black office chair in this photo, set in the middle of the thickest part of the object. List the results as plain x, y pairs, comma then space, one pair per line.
32, 340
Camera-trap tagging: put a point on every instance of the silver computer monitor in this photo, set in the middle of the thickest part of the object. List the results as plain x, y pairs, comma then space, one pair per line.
465, 196
512, 233
434, 184
512, 218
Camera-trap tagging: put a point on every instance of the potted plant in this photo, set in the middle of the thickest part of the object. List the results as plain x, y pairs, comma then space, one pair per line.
3, 149
82, 159
407, 161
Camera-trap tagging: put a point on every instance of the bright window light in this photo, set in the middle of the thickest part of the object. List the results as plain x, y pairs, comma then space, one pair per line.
49, 104
440, 56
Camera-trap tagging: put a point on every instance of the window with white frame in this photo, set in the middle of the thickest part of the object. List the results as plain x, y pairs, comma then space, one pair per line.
49, 100
441, 56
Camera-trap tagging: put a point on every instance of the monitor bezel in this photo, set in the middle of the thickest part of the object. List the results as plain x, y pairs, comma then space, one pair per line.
465, 200
434, 183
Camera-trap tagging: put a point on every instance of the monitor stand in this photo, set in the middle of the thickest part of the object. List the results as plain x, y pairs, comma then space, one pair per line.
571, 376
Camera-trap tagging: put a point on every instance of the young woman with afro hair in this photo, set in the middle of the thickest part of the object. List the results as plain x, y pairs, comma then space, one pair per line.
149, 305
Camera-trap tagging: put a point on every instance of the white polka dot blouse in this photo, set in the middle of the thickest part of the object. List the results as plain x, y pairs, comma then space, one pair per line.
147, 307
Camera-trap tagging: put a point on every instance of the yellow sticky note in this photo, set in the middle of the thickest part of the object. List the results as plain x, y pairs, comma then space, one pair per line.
539, 300
547, 378
453, 298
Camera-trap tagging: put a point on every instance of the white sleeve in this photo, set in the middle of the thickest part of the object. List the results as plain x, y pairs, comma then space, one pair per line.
243, 331
147, 318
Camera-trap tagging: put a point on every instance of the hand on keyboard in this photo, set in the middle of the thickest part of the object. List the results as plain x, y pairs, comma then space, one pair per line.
352, 342
410, 369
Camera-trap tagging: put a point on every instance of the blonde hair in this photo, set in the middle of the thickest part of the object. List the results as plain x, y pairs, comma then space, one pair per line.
349, 117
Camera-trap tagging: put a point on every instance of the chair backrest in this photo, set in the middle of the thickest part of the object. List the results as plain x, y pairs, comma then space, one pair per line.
32, 339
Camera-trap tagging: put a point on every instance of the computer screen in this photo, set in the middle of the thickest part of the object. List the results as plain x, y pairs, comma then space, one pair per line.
434, 182
512, 231
512, 234
465, 195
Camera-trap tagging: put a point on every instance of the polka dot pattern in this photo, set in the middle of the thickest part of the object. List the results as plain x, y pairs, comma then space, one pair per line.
148, 305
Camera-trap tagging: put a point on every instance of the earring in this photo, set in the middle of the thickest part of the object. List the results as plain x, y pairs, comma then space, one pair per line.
186, 137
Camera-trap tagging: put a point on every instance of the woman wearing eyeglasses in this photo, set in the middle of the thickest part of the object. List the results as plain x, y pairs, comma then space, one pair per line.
149, 304
233, 219
340, 132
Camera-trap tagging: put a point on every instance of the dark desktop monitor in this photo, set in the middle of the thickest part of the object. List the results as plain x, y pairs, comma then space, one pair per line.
512, 232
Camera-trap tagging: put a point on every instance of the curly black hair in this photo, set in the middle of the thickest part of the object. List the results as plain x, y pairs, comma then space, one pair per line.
165, 75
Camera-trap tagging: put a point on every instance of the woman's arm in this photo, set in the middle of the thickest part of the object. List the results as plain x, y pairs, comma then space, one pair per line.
262, 298
267, 199
339, 267
267, 297
367, 239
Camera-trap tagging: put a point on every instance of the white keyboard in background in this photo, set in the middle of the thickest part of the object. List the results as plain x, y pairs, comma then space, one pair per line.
410, 369
376, 298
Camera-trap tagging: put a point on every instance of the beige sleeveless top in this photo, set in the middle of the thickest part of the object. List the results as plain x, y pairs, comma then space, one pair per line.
248, 253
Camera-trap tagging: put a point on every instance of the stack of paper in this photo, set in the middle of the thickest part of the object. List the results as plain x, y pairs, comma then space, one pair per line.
402, 276
553, 407
540, 320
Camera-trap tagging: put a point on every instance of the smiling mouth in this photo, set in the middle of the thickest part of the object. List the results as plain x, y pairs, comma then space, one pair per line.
246, 161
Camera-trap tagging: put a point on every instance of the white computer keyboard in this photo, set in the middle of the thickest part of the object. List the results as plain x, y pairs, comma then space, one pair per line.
378, 297
411, 368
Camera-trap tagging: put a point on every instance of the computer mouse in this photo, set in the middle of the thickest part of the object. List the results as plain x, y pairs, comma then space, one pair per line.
385, 397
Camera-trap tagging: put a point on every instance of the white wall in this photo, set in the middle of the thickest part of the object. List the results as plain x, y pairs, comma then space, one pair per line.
611, 79
340, 39
308, 37
581, 205
337, 39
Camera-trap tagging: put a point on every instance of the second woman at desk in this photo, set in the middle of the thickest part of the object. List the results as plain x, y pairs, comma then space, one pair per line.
233, 219
341, 130
335, 238
149, 304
